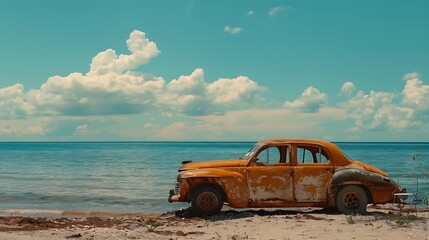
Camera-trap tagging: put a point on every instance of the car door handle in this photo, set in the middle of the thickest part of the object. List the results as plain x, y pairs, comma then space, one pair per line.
290, 172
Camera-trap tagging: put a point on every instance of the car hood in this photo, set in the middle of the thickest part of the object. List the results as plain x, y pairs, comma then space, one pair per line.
369, 167
213, 164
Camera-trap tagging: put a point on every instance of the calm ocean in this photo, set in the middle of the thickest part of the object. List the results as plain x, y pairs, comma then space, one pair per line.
136, 176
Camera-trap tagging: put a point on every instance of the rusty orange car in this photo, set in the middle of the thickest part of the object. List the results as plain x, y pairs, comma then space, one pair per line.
283, 173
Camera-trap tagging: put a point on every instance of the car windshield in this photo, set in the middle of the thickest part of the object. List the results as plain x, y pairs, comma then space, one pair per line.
251, 152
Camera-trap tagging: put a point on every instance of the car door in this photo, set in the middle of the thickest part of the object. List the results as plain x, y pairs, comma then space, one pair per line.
313, 170
269, 177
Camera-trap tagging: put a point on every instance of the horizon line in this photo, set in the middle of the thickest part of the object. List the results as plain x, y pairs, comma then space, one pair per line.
198, 141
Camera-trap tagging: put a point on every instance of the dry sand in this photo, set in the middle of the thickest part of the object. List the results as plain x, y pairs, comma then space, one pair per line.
261, 224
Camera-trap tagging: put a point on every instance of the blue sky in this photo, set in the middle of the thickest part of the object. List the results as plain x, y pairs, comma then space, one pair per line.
214, 70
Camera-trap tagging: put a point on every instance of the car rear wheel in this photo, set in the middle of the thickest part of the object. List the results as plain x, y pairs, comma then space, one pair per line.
207, 201
352, 199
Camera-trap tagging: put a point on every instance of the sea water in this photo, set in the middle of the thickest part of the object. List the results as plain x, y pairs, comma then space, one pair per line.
136, 176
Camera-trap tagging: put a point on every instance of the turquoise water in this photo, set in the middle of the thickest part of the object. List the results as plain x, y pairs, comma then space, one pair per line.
136, 176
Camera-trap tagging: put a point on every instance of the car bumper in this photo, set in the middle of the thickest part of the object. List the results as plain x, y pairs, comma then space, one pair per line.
173, 197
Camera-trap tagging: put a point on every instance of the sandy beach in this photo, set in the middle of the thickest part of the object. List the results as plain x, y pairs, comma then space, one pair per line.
251, 224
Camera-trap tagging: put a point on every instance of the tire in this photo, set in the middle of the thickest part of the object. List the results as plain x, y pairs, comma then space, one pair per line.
352, 199
206, 201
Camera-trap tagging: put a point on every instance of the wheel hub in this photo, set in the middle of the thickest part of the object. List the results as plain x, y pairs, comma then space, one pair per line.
207, 201
351, 200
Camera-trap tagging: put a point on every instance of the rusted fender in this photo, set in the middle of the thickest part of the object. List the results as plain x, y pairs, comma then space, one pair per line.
232, 183
380, 187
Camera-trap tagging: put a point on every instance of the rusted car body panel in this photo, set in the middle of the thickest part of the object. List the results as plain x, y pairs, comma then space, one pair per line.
232, 181
285, 173
378, 187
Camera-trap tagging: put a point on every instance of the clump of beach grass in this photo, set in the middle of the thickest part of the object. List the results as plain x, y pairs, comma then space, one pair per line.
402, 220
152, 224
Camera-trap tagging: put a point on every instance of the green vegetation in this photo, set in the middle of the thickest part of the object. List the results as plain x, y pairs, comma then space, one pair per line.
403, 220
394, 219
152, 224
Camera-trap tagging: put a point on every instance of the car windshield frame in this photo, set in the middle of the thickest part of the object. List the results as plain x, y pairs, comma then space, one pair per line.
251, 152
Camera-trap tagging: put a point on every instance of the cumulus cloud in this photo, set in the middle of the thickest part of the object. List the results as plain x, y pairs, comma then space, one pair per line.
348, 88
218, 107
108, 88
415, 92
231, 91
310, 101
112, 88
193, 84
81, 95
416, 99
276, 10
371, 111
13, 103
192, 95
387, 111
232, 30
142, 51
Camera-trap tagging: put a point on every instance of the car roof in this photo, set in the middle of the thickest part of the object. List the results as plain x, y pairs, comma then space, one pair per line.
335, 151
295, 140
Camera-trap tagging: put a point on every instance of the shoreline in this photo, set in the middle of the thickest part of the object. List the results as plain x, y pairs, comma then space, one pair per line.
35, 213
28, 212
304, 223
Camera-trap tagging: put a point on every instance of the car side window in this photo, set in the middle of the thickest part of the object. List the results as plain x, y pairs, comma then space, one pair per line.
307, 154
304, 155
270, 155
322, 156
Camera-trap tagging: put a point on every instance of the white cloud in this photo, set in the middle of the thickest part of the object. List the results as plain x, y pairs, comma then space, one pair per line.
276, 10
416, 99
192, 95
415, 92
111, 93
13, 103
250, 13
371, 111
232, 30
193, 84
310, 101
348, 88
142, 51
191, 106
234, 91
108, 88
111, 88
386, 111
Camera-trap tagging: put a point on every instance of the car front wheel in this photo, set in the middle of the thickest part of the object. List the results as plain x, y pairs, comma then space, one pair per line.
352, 199
207, 201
